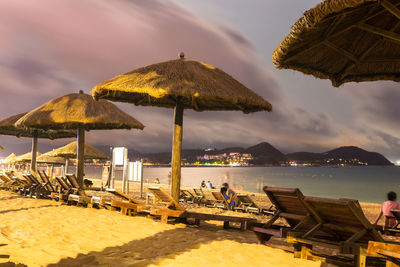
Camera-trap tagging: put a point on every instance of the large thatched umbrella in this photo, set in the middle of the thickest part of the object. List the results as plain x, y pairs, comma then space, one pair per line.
7, 127
344, 41
81, 112
181, 84
48, 159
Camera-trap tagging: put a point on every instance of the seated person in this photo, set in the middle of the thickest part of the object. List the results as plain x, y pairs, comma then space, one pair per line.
231, 202
387, 206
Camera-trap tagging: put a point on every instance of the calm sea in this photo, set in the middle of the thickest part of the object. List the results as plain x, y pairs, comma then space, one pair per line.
363, 183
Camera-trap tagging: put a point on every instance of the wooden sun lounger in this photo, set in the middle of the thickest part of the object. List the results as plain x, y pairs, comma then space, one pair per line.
78, 200
246, 204
290, 207
186, 196
200, 197
344, 224
394, 229
35, 185
129, 206
171, 208
74, 184
220, 201
389, 251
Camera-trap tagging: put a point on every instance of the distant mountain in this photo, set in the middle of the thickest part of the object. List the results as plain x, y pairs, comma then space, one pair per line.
265, 153
349, 155
352, 152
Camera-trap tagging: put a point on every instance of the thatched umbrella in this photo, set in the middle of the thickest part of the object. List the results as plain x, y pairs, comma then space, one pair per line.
9, 158
7, 127
27, 157
81, 112
181, 84
344, 41
50, 161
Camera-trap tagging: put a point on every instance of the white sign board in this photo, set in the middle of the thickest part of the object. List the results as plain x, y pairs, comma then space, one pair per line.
135, 171
119, 155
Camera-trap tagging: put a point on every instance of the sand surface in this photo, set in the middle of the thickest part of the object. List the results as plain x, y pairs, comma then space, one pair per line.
44, 232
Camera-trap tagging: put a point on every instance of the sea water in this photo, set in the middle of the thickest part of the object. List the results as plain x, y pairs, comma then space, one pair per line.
368, 184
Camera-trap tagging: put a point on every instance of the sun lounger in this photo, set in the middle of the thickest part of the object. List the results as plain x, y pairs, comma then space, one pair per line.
199, 196
394, 229
220, 201
344, 224
129, 205
290, 207
389, 251
71, 178
186, 196
246, 204
46, 181
78, 200
171, 208
64, 189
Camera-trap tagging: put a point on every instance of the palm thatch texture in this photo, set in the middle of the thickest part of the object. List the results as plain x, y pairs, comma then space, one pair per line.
7, 127
25, 157
46, 158
69, 151
344, 41
181, 84
81, 112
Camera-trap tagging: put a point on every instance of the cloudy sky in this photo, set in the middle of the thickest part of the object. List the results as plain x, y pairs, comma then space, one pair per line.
49, 48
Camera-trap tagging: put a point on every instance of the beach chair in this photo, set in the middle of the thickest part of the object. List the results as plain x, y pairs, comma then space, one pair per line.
344, 225
78, 200
64, 189
46, 182
186, 196
171, 208
71, 178
394, 229
246, 204
202, 198
220, 201
389, 251
35, 186
128, 206
289, 206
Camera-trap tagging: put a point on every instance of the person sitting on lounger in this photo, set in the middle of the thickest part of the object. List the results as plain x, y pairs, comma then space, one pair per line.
387, 206
203, 184
224, 192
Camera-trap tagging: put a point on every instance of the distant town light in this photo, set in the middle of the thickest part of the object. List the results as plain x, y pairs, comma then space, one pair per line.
398, 163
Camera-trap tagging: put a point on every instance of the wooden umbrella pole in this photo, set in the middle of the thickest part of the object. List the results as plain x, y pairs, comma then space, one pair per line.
34, 151
177, 151
66, 165
80, 155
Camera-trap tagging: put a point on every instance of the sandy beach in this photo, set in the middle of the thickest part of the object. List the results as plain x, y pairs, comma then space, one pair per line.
46, 233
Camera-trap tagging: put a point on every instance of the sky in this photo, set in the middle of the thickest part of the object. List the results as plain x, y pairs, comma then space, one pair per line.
50, 48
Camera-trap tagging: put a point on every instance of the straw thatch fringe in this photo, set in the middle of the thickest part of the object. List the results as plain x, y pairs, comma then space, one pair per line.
78, 110
7, 127
69, 151
195, 84
344, 40
25, 157
45, 158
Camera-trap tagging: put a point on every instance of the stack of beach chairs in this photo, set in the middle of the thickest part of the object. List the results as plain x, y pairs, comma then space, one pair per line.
321, 229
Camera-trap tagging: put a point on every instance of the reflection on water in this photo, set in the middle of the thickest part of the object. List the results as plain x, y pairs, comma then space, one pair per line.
363, 183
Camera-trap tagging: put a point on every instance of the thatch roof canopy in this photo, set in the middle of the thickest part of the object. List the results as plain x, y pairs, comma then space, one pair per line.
10, 158
344, 41
69, 151
7, 127
1, 148
198, 85
46, 158
26, 157
78, 110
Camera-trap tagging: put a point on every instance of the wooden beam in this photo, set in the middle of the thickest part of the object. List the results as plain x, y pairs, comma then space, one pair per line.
391, 8
34, 151
80, 155
340, 51
333, 26
177, 151
378, 31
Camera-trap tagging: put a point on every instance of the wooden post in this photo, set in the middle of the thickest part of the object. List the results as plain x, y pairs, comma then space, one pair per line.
80, 155
66, 166
34, 151
177, 151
